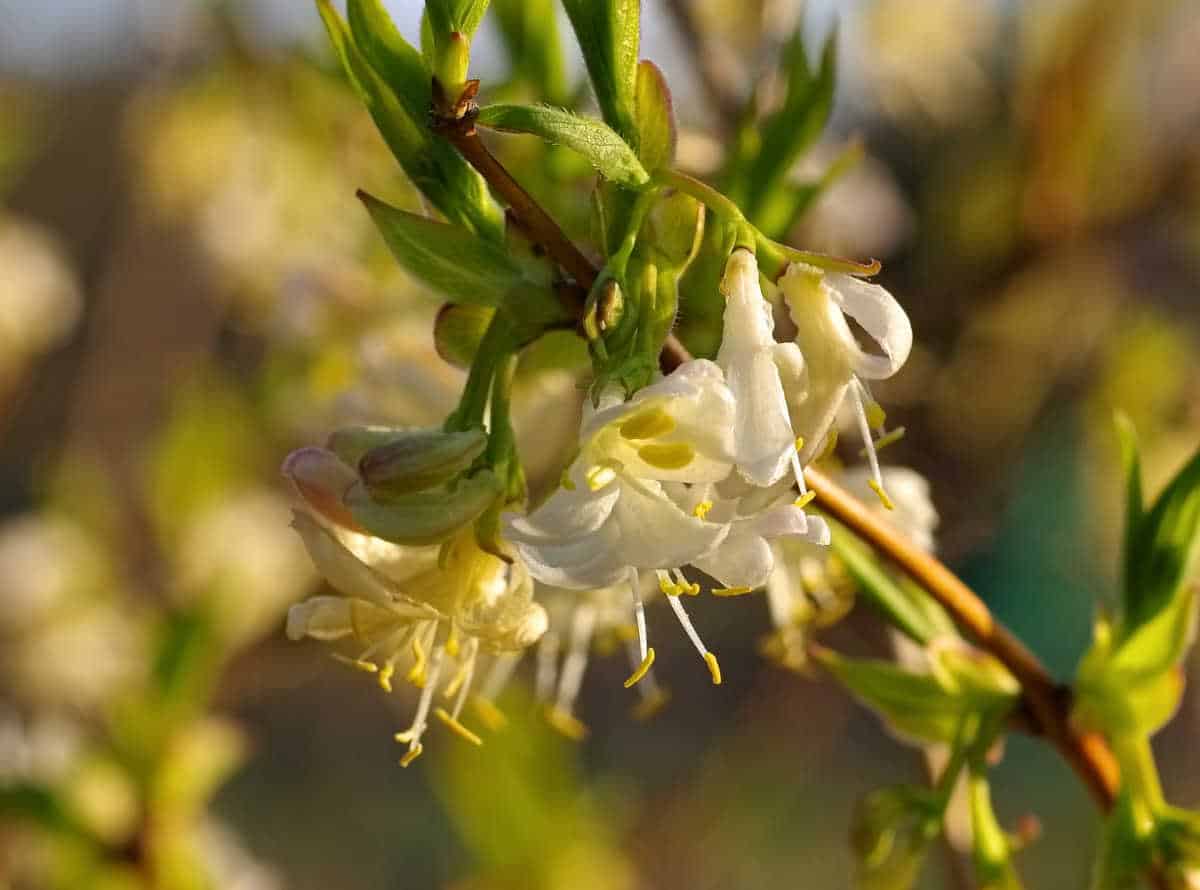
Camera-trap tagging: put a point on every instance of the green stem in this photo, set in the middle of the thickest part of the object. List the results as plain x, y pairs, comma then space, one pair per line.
472, 405
1139, 776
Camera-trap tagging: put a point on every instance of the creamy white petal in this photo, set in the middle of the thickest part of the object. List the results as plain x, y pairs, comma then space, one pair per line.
881, 317
344, 571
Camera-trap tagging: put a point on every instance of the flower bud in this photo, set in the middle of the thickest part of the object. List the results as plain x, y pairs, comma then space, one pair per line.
424, 517
419, 459
322, 480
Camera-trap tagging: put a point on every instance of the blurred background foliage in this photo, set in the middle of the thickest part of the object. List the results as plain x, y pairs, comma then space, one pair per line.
189, 289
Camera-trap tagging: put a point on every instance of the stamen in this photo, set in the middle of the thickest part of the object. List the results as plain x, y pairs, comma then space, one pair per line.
798, 472
805, 499
667, 455
666, 585
684, 585
886, 439
368, 667
599, 476
731, 591
462, 678
641, 669
385, 676
876, 481
570, 678
547, 666
498, 675
700, 511
456, 727
652, 697
639, 612
416, 674
686, 623
452, 641
876, 416
883, 495
568, 724
490, 715
413, 734
713, 668
830, 445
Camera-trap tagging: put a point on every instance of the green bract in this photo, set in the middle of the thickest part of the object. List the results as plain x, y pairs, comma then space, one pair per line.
418, 459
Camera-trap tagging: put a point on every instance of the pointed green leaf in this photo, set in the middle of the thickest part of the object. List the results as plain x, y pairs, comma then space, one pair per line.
608, 34
529, 29
451, 260
394, 59
595, 140
1164, 550
434, 167
655, 118
788, 132
915, 706
899, 604
1135, 509
462, 16
1123, 852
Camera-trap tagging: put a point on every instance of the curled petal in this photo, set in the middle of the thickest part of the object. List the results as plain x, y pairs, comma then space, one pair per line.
881, 317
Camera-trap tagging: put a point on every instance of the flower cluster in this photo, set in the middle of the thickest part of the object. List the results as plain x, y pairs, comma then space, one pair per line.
694, 482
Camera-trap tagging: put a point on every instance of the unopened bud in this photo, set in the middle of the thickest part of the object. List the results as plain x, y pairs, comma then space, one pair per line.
322, 480
425, 517
419, 459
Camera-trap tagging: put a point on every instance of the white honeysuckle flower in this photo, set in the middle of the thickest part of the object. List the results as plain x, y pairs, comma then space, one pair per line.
806, 588
613, 517
835, 365
763, 441
743, 561
424, 606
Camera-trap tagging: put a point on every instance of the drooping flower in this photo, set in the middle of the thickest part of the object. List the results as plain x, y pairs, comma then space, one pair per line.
835, 366
808, 589
764, 444
613, 517
431, 608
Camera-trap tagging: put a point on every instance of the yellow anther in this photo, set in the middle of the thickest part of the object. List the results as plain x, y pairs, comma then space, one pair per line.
799, 443
416, 674
731, 591
713, 668
667, 455
667, 586
599, 476
566, 481
700, 511
885, 440
457, 728
385, 676
456, 682
692, 589
491, 716
648, 424
366, 666
642, 668
412, 754
568, 724
405, 737
452, 641
805, 499
883, 496
830, 445
876, 416
649, 706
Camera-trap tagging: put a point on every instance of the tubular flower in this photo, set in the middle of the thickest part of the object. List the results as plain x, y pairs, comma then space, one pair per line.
763, 440
807, 588
835, 365
613, 517
430, 609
